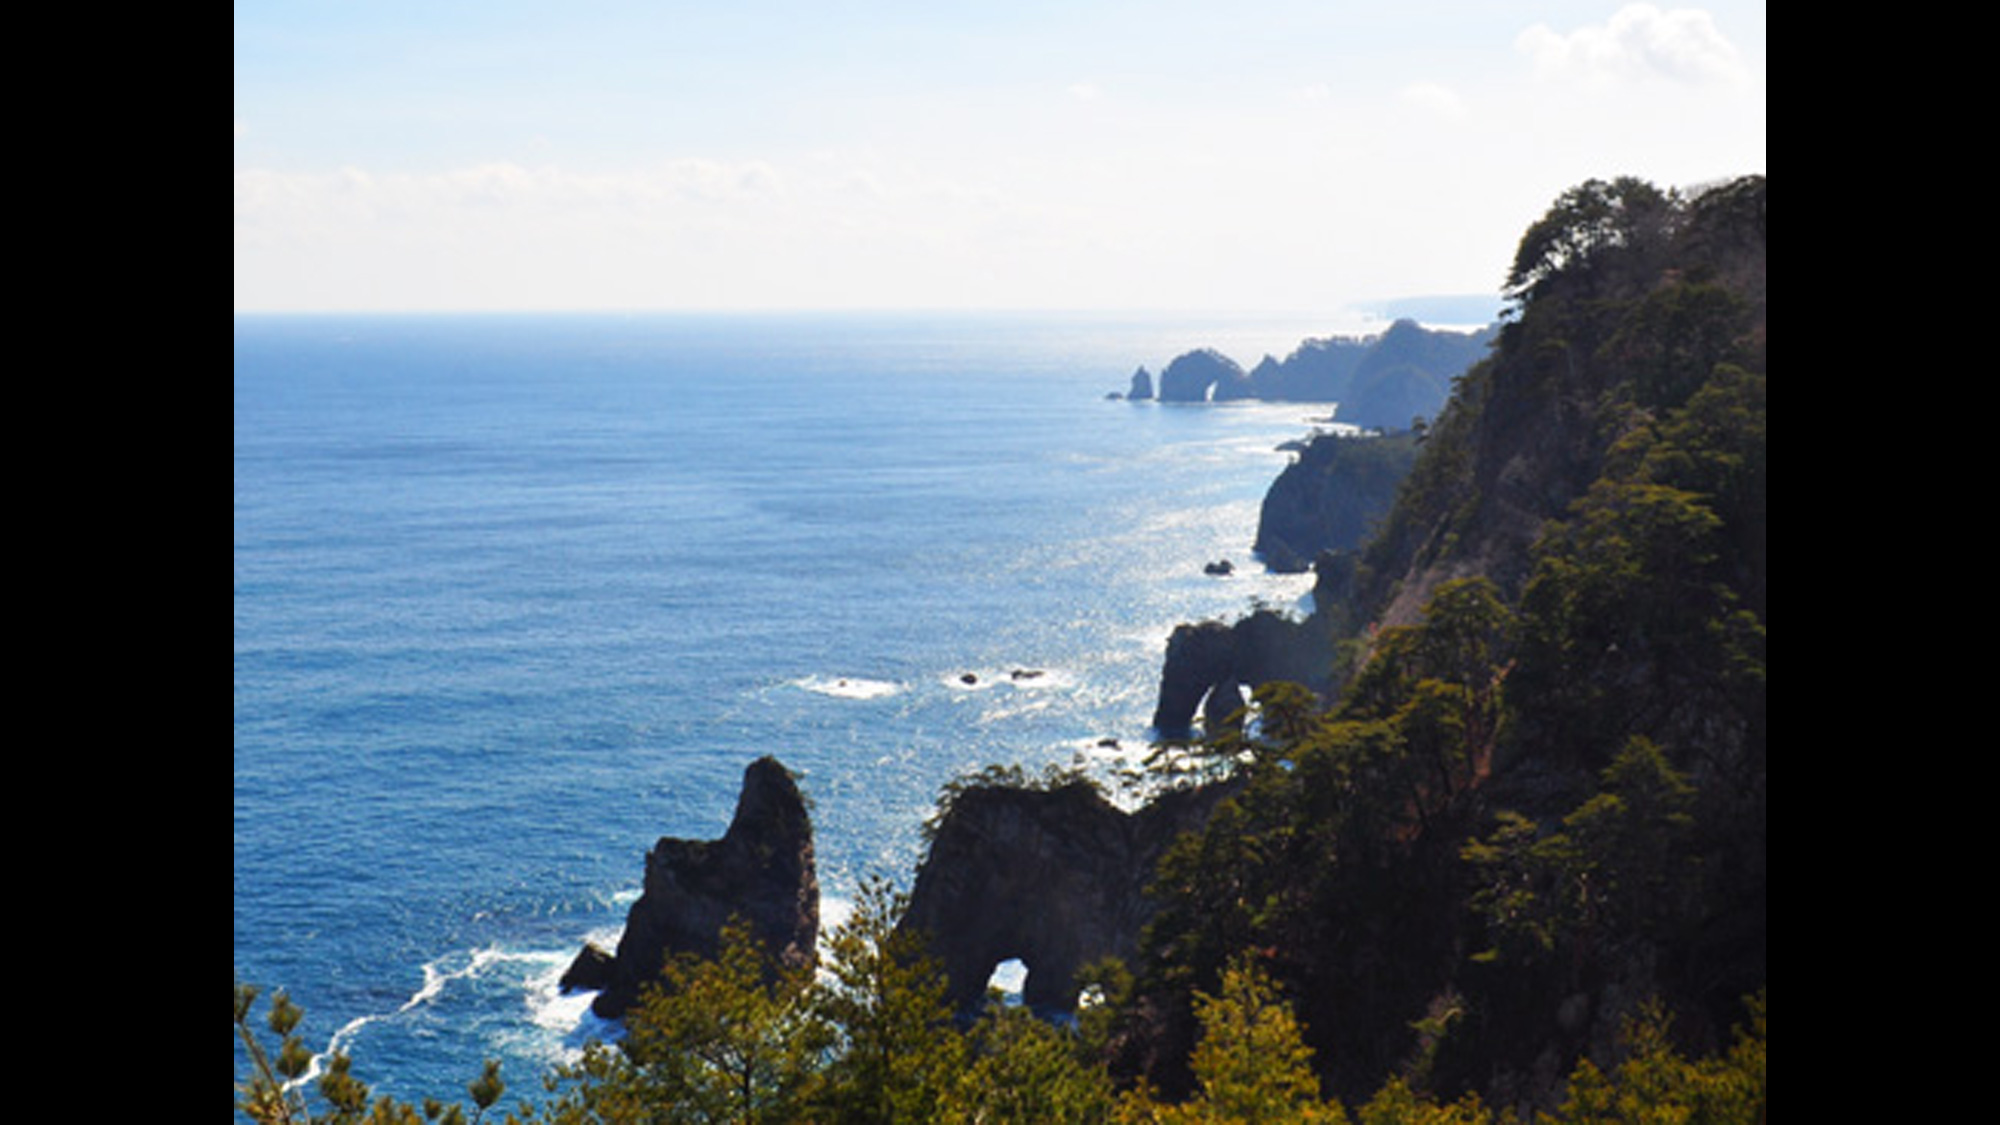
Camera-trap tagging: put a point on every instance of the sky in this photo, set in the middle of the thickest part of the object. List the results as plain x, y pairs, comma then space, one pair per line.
1256, 155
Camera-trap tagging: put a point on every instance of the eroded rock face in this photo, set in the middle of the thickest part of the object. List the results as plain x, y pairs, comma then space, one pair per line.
1053, 877
1214, 662
761, 869
1331, 497
1189, 378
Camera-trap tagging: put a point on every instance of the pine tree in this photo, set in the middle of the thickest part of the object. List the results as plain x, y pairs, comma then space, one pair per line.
1251, 1066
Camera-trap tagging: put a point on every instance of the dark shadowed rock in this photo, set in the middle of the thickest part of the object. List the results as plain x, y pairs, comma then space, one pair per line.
1212, 658
1331, 497
1198, 657
1379, 381
1218, 711
1142, 386
1053, 877
761, 870
590, 972
1189, 378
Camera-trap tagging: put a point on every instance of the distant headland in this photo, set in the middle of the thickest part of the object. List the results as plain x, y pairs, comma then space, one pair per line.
1384, 381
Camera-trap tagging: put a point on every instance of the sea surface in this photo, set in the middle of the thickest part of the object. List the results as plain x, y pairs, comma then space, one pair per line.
517, 596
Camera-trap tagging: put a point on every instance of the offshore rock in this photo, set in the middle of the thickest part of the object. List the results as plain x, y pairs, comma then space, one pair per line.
1054, 877
761, 870
590, 972
1142, 386
1198, 375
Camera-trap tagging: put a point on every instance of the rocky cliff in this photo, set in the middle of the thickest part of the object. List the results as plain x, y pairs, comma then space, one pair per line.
1055, 877
1585, 366
1331, 498
1211, 666
1199, 375
761, 869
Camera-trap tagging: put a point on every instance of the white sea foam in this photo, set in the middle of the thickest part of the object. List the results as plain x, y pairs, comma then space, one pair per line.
622, 898
1017, 676
834, 911
848, 687
549, 1008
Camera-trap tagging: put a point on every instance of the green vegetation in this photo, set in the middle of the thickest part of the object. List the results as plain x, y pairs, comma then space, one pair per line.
1333, 495
1466, 884
1539, 798
274, 1091
742, 1044
1053, 777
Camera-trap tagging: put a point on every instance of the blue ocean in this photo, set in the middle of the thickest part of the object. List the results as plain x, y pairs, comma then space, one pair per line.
516, 596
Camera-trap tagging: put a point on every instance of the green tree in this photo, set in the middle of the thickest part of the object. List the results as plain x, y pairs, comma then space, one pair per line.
732, 1039
1251, 1065
1626, 623
1656, 1085
729, 1041
1596, 220
1673, 338
1024, 1070
1618, 863
274, 1090
896, 1051
1396, 1103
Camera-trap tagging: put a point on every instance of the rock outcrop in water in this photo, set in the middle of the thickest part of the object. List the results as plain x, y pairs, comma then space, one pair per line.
1054, 877
1201, 375
761, 869
1209, 665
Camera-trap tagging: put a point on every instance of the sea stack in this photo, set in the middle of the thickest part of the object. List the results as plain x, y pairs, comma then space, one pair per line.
761, 870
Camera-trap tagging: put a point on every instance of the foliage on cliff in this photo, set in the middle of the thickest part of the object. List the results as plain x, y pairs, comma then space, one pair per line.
1536, 801
1332, 496
737, 1040
1629, 300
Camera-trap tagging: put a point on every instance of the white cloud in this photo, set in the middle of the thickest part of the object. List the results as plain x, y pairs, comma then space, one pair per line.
1639, 41
1440, 100
276, 203
1085, 91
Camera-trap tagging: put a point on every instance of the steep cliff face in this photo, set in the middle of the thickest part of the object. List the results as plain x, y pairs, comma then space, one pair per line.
1407, 373
1605, 342
1331, 497
761, 869
1211, 666
1054, 877
1198, 374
